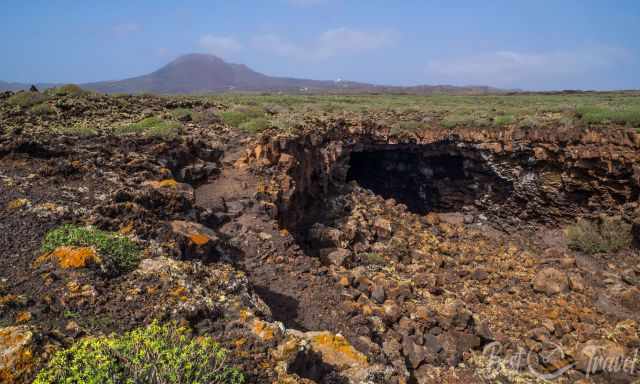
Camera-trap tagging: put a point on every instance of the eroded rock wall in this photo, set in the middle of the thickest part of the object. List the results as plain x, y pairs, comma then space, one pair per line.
554, 174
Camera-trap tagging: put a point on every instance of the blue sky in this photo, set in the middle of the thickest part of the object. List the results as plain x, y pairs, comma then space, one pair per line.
541, 44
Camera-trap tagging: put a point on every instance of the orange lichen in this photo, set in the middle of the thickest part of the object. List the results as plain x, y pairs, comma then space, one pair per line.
23, 317
336, 350
199, 239
263, 330
70, 257
8, 299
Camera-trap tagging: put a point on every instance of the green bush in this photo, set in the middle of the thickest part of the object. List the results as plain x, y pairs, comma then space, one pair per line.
182, 114
255, 125
68, 90
27, 99
118, 254
237, 117
153, 126
607, 234
157, 354
42, 109
208, 116
503, 120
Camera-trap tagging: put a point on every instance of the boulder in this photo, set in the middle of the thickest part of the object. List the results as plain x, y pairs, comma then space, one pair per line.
599, 355
551, 281
195, 241
337, 256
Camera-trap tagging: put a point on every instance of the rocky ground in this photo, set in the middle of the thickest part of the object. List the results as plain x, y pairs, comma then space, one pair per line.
261, 242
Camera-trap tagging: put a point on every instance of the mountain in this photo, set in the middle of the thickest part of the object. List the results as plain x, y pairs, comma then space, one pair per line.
201, 73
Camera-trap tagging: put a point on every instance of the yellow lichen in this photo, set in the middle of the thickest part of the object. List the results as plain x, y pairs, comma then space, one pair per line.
126, 229
336, 350
17, 203
167, 183
71, 257
180, 293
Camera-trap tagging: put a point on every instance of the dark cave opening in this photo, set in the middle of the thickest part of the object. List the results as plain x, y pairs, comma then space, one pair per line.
427, 179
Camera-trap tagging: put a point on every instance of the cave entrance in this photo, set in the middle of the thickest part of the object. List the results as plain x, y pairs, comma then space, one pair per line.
428, 178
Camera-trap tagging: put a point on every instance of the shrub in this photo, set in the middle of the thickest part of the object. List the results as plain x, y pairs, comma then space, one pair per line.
503, 120
42, 109
157, 354
208, 116
255, 125
153, 126
79, 128
27, 99
117, 253
407, 126
68, 90
182, 114
607, 234
237, 117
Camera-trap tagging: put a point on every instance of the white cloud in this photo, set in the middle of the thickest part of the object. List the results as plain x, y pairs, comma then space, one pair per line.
513, 68
331, 43
220, 45
126, 28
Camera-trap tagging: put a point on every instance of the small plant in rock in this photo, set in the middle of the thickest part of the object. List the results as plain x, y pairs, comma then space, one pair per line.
118, 254
157, 354
153, 126
607, 234
27, 99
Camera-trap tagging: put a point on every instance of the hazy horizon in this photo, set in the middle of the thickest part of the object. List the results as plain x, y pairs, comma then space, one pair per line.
535, 46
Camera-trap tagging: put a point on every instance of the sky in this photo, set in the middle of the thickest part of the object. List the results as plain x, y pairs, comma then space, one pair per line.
534, 45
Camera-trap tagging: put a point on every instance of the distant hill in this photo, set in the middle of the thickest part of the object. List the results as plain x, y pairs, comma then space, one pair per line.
201, 73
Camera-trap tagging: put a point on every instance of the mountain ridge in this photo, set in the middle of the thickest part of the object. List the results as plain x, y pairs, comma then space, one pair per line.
203, 73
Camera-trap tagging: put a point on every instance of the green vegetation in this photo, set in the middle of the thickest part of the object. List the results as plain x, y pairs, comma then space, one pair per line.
117, 253
524, 110
43, 109
607, 234
249, 119
153, 126
236, 117
596, 114
79, 128
502, 120
408, 126
67, 90
206, 117
256, 125
157, 354
27, 99
182, 114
